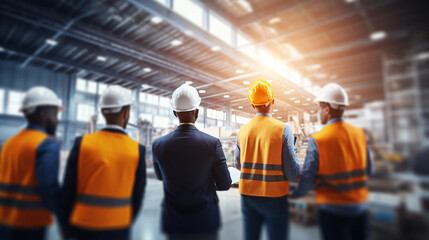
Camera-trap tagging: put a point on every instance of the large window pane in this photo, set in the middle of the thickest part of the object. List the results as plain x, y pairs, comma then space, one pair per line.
14, 102
81, 84
84, 112
242, 40
220, 28
164, 101
189, 10
1, 100
161, 122
92, 87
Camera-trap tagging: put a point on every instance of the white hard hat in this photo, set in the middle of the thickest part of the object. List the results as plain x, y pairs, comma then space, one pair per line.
185, 98
333, 94
39, 96
114, 98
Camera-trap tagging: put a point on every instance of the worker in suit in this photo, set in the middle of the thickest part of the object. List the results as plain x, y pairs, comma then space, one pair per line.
338, 163
29, 170
264, 154
192, 166
105, 176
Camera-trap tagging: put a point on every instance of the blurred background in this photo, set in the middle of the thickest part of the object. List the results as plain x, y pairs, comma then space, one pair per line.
378, 50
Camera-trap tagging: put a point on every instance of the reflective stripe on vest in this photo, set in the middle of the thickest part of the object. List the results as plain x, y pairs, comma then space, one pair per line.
106, 173
263, 177
20, 202
260, 143
103, 201
342, 177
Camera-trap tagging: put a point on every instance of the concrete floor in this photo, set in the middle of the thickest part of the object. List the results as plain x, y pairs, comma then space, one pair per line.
147, 226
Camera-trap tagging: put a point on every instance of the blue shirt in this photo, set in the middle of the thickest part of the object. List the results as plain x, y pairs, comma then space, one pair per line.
309, 174
47, 166
289, 159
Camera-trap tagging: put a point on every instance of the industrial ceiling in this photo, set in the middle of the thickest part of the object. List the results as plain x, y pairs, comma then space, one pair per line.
117, 42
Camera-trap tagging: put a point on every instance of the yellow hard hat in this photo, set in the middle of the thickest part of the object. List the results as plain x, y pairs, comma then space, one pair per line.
260, 93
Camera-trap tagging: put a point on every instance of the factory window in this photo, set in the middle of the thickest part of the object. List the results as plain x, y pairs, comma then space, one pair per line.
92, 87
211, 113
249, 51
1, 100
220, 115
189, 10
164, 101
164, 111
14, 102
84, 112
102, 87
219, 28
84, 85
266, 58
199, 125
145, 117
163, 2
242, 40
161, 122
242, 120
220, 123
149, 98
81, 84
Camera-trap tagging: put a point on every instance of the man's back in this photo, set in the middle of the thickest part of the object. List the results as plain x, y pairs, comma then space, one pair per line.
192, 166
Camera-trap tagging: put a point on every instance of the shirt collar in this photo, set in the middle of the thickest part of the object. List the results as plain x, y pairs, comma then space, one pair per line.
116, 127
36, 127
335, 120
187, 124
264, 114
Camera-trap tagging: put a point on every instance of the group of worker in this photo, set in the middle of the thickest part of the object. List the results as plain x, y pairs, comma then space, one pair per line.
105, 177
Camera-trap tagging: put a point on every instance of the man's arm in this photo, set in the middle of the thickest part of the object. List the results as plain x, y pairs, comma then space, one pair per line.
309, 172
47, 165
69, 187
289, 159
220, 171
369, 161
140, 182
237, 163
155, 161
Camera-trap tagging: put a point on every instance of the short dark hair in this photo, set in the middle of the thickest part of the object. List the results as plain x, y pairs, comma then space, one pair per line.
34, 117
336, 113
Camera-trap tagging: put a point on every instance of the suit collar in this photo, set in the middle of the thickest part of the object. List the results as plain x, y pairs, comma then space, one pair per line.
185, 127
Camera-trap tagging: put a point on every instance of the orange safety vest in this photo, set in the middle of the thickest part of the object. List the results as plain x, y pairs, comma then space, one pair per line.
342, 176
107, 165
20, 203
260, 142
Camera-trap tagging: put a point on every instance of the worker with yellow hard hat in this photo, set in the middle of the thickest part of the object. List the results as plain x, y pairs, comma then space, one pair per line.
265, 155
105, 176
338, 162
29, 169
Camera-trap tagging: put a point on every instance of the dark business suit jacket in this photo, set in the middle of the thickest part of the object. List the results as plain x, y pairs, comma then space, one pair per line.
192, 166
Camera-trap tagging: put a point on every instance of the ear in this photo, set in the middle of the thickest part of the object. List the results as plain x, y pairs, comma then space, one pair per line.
126, 113
272, 102
327, 109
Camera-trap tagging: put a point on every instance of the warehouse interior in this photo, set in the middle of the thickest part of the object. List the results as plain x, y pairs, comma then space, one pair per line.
377, 50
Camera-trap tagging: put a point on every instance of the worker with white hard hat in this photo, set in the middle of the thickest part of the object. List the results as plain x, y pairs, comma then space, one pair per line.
29, 169
264, 154
192, 166
105, 176
338, 162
